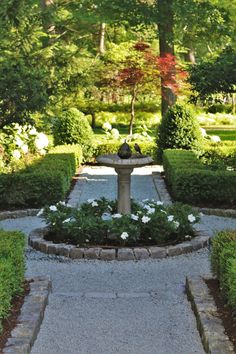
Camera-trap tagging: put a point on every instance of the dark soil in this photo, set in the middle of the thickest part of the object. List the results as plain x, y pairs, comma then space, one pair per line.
225, 312
11, 321
112, 243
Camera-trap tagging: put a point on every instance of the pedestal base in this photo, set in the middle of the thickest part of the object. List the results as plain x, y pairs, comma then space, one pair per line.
124, 183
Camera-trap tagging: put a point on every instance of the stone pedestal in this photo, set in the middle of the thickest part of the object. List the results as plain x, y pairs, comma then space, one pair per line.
124, 168
124, 183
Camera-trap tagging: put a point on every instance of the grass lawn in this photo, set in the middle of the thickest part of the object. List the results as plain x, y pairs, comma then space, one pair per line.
223, 134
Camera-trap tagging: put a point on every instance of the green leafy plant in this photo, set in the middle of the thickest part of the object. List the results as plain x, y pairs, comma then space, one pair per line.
178, 129
46, 180
97, 222
12, 269
223, 264
72, 127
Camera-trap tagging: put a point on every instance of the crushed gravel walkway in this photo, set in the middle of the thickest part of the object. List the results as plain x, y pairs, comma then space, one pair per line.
117, 307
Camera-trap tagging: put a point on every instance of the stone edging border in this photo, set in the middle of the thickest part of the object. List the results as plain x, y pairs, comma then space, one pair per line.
18, 213
25, 333
36, 240
210, 327
165, 197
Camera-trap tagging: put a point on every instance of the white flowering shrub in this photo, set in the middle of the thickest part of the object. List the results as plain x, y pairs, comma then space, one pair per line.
17, 142
98, 223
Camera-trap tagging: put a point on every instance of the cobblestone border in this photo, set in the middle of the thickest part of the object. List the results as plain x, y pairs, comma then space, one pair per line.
210, 327
165, 197
25, 333
18, 213
36, 240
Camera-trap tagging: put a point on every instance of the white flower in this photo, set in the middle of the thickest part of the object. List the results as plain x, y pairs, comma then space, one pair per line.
163, 211
24, 148
16, 154
94, 204
33, 131
19, 142
124, 235
109, 207
115, 133
145, 219
170, 217
188, 237
41, 141
106, 126
159, 202
42, 152
53, 208
40, 212
176, 223
191, 218
66, 220
134, 217
106, 216
151, 210
87, 240
116, 216
61, 203
215, 138
90, 201
145, 200
203, 132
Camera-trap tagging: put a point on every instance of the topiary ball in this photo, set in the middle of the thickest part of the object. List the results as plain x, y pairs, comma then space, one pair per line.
72, 127
179, 129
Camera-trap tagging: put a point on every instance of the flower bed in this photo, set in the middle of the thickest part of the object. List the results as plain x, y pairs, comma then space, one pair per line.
98, 223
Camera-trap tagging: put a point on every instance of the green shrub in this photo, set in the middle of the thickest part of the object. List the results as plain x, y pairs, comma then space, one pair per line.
192, 182
44, 182
12, 269
72, 127
223, 263
112, 146
179, 129
98, 223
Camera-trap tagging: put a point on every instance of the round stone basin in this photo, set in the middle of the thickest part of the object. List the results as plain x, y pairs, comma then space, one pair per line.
124, 168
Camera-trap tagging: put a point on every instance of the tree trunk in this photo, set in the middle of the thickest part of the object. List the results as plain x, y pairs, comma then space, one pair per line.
102, 38
166, 45
93, 123
132, 107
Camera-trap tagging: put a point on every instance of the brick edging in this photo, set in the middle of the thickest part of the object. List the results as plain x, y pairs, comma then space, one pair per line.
210, 327
36, 240
18, 213
25, 333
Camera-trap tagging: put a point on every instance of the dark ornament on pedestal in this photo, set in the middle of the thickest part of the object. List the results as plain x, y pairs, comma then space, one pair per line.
124, 151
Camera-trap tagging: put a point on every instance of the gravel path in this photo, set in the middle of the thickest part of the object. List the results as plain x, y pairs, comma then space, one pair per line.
118, 307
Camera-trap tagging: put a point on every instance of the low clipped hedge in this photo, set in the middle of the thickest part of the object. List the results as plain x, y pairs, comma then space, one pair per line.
44, 182
112, 147
192, 182
223, 264
12, 269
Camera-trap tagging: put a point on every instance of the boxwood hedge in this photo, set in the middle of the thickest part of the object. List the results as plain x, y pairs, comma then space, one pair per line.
223, 264
12, 269
44, 182
193, 182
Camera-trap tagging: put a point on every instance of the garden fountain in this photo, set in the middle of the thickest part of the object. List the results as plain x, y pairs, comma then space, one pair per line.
124, 167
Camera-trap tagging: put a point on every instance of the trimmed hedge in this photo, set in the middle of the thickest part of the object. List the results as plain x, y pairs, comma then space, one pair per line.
223, 264
44, 182
191, 181
112, 147
12, 269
